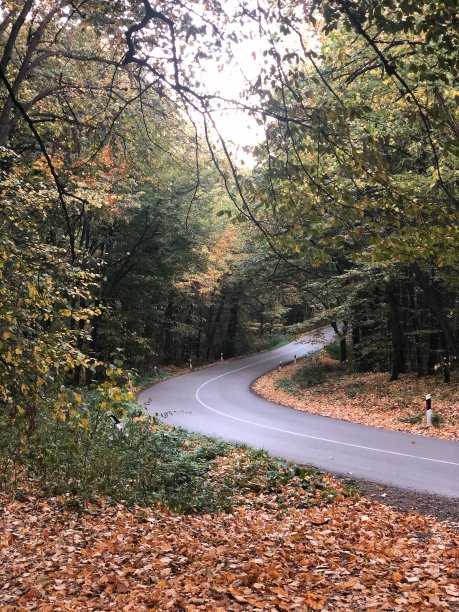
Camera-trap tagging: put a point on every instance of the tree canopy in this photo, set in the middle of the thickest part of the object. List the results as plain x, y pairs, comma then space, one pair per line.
131, 235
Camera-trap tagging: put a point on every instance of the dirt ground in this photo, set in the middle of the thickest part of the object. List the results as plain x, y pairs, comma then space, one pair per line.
403, 500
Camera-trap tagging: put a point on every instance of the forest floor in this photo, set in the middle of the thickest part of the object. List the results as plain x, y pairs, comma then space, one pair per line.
272, 552
322, 386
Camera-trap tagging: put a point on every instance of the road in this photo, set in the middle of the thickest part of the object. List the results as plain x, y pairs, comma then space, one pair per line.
217, 401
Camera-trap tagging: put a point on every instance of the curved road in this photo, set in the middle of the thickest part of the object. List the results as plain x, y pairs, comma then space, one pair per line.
217, 401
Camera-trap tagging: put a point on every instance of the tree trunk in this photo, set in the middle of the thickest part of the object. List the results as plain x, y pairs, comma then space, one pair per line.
212, 328
342, 338
432, 361
168, 344
434, 299
356, 352
397, 337
230, 349
415, 327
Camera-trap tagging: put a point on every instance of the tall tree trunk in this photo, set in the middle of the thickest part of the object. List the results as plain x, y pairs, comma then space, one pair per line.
397, 337
356, 352
434, 338
168, 344
230, 349
212, 328
415, 328
434, 299
342, 338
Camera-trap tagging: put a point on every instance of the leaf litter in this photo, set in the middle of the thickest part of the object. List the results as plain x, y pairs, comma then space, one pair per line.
368, 399
308, 544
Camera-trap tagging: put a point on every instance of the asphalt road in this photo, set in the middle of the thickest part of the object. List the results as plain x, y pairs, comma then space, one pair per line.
217, 401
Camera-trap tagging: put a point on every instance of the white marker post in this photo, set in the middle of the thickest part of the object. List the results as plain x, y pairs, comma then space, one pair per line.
191, 365
294, 359
221, 356
280, 366
429, 410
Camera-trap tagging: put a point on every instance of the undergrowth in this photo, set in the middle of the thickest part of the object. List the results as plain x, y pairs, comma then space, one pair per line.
313, 373
145, 462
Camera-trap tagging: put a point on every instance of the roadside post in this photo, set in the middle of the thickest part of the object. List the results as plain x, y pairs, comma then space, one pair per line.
294, 359
191, 365
221, 356
280, 366
429, 410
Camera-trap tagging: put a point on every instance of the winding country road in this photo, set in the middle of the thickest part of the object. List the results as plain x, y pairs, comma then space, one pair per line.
217, 401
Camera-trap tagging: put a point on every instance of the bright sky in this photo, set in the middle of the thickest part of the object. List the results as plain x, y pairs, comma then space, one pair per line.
236, 126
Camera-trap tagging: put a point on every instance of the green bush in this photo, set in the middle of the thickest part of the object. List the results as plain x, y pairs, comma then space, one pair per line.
413, 419
437, 419
333, 350
312, 374
353, 389
143, 463
272, 341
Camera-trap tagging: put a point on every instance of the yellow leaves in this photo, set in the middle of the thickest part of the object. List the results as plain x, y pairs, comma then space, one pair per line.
84, 423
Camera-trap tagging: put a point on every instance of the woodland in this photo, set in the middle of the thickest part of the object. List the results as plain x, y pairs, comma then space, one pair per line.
137, 240
132, 236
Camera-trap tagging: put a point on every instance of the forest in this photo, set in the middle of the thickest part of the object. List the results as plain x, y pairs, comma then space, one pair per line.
133, 237
184, 182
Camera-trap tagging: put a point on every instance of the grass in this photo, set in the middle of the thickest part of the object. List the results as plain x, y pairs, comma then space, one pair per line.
413, 419
269, 342
313, 373
333, 350
437, 419
147, 463
352, 390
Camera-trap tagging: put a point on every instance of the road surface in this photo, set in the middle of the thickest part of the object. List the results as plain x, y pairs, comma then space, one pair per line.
217, 401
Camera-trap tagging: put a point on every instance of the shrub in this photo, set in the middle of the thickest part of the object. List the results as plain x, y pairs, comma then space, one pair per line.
143, 463
353, 389
437, 419
413, 419
333, 350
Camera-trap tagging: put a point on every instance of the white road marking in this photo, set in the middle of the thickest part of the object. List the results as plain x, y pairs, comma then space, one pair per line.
296, 433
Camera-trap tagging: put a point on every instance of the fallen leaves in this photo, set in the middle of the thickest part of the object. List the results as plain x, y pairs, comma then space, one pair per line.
377, 402
348, 555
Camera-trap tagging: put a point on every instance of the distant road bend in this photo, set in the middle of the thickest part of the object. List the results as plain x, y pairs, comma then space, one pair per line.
217, 401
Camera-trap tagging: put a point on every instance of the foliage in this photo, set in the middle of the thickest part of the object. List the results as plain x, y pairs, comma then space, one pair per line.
413, 419
332, 350
39, 314
143, 462
437, 419
311, 374
278, 554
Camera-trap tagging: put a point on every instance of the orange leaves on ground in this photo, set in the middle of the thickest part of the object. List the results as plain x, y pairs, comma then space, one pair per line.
345, 556
370, 399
